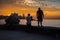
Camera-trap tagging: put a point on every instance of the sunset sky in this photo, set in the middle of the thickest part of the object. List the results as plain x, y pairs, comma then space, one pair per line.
51, 8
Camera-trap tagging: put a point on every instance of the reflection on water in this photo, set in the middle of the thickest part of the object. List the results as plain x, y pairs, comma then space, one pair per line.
53, 23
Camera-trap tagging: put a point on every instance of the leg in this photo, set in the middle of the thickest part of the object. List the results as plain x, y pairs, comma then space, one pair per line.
41, 24
41, 21
38, 23
28, 26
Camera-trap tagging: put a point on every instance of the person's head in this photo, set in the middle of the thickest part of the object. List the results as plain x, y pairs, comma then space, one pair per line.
28, 14
39, 8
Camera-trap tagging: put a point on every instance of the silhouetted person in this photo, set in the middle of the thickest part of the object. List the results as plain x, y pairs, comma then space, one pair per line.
28, 20
23, 15
40, 16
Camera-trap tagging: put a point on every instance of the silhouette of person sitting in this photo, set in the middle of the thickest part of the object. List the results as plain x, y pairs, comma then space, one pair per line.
40, 16
12, 19
28, 18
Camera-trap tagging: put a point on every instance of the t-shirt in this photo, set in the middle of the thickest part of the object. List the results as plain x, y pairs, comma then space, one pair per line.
39, 13
28, 20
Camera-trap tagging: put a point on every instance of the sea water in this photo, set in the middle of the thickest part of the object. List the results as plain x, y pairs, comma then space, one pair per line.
46, 22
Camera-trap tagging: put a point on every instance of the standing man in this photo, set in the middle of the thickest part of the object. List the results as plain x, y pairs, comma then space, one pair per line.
40, 16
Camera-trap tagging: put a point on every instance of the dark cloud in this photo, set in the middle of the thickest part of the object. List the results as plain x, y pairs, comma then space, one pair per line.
7, 1
4, 3
11, 2
28, 3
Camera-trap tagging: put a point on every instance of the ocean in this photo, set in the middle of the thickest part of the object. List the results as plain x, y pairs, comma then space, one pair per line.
46, 22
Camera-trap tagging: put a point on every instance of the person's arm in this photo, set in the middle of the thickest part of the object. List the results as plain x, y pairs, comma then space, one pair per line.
42, 14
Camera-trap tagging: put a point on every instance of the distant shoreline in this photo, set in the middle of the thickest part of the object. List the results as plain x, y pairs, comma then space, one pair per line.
20, 17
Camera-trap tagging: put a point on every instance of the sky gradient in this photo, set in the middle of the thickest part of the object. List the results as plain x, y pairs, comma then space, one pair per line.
51, 8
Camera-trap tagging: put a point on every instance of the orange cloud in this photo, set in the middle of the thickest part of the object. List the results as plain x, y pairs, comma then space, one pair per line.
48, 12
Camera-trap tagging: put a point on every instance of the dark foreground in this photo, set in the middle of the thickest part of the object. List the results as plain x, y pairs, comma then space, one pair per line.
19, 35
22, 32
